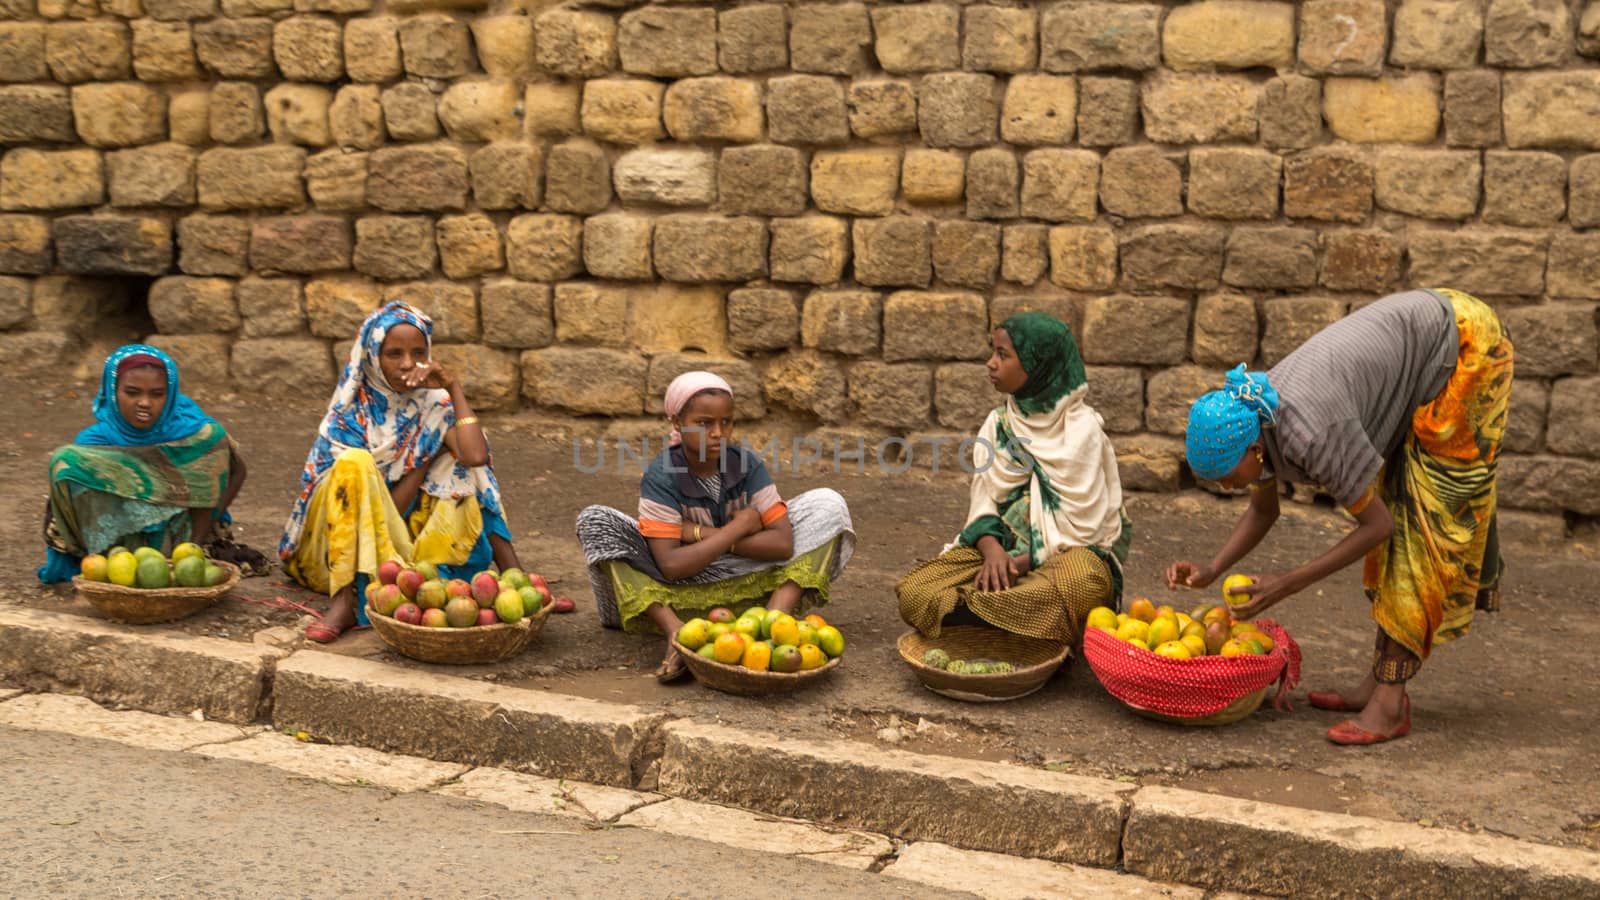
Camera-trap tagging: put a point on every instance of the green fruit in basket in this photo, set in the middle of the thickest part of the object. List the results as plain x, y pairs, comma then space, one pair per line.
144, 553
532, 599
215, 575
185, 550
708, 650
956, 667
693, 633
936, 658
508, 607
1001, 668
190, 571
153, 572
979, 668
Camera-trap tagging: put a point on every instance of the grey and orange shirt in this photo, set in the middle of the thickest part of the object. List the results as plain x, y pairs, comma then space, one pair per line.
670, 494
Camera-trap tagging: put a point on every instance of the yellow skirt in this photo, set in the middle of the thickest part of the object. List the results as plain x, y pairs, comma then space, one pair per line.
1049, 602
352, 526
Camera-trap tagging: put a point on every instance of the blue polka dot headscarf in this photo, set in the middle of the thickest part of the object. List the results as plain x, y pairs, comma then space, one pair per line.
1223, 424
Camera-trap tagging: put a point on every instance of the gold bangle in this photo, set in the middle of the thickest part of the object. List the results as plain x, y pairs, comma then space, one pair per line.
697, 534
469, 420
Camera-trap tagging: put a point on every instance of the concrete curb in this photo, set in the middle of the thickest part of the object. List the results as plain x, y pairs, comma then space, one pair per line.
443, 717
1222, 842
157, 671
975, 805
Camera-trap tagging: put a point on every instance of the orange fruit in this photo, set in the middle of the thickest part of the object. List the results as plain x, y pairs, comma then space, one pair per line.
729, 648
1134, 632
1142, 609
95, 568
816, 621
1102, 617
1166, 609
1231, 582
693, 634
1234, 647
1173, 650
1266, 643
757, 656
808, 634
749, 626
1162, 631
785, 631
1195, 644
812, 657
1217, 614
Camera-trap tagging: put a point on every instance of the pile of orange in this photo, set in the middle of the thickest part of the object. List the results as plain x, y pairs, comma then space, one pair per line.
763, 639
1206, 630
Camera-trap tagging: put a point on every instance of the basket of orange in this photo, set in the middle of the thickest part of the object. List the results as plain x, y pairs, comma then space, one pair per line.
1196, 668
143, 587
759, 651
490, 618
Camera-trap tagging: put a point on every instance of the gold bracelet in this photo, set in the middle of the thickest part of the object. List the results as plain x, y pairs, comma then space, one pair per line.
697, 534
469, 420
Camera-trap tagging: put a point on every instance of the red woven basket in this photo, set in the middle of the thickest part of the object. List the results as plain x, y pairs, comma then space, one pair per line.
1191, 688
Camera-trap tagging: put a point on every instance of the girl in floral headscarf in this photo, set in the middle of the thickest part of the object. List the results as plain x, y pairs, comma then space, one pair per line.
1045, 535
153, 470
1404, 403
400, 471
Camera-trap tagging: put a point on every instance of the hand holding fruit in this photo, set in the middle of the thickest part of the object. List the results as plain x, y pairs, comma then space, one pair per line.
1256, 597
1184, 573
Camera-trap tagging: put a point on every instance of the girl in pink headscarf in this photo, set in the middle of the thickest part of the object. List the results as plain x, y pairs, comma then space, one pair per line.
712, 529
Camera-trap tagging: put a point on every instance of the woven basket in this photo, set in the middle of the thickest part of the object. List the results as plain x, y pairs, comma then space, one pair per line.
146, 606
1229, 714
1035, 659
458, 646
736, 679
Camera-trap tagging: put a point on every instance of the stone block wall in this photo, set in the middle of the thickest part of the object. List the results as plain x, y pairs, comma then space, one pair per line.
831, 203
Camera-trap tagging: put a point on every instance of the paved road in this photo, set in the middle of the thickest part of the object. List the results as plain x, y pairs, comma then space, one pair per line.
88, 818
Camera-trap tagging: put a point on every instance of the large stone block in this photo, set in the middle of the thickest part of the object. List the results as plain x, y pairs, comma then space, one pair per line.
1000, 39
1066, 307
1086, 35
1437, 34
740, 375
1060, 185
1288, 322
1575, 416
1290, 112
1430, 184
855, 182
575, 44
993, 184
506, 175
1329, 184
298, 114
1574, 269
1151, 331
1526, 188
957, 109
588, 313
1523, 34
394, 248
213, 245
15, 301
1492, 262
752, 39
51, 179
577, 178
309, 48
419, 178
716, 108
516, 314
119, 115
623, 110
1229, 34
847, 322
809, 249
832, 39
410, 112
336, 307
668, 42
1402, 109
671, 177
962, 397
1554, 483
302, 244
1360, 260
477, 111
617, 245
236, 48
490, 378
1472, 108
355, 117
1181, 256
270, 307
585, 380
1224, 330
35, 113
891, 396
966, 253
25, 245
806, 109
337, 180
452, 307
1108, 111
543, 247
1169, 394
162, 51
1234, 182
505, 46
22, 52
808, 382
762, 319
1589, 31
1117, 394
917, 37
189, 117
671, 318
1140, 182
1271, 257
1183, 108
710, 248
1024, 253
1039, 109
435, 45
112, 245
933, 176
1083, 257
1343, 37
183, 305
921, 325
1525, 420
372, 49
1552, 109
881, 109
762, 180
893, 251
234, 113
1553, 339
158, 175
68, 306
1583, 191
76, 52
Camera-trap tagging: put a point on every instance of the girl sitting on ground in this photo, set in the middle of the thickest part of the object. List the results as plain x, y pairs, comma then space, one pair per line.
154, 470
400, 471
712, 530
1045, 536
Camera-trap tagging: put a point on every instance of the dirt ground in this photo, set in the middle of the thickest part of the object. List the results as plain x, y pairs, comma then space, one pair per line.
1504, 729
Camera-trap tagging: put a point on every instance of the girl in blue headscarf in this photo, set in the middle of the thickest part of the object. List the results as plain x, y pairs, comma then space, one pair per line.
400, 471
153, 469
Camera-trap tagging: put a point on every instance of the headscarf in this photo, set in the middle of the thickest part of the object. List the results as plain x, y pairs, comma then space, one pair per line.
180, 417
682, 390
1223, 424
1049, 355
401, 429
1062, 458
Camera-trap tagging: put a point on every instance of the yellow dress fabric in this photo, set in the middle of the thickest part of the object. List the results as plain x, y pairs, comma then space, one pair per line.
1440, 490
352, 525
1050, 602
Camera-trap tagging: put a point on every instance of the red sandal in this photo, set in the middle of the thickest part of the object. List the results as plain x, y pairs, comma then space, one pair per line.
1349, 734
1331, 700
562, 605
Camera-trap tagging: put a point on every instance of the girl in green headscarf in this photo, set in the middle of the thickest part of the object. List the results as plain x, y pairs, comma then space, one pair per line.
1045, 534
